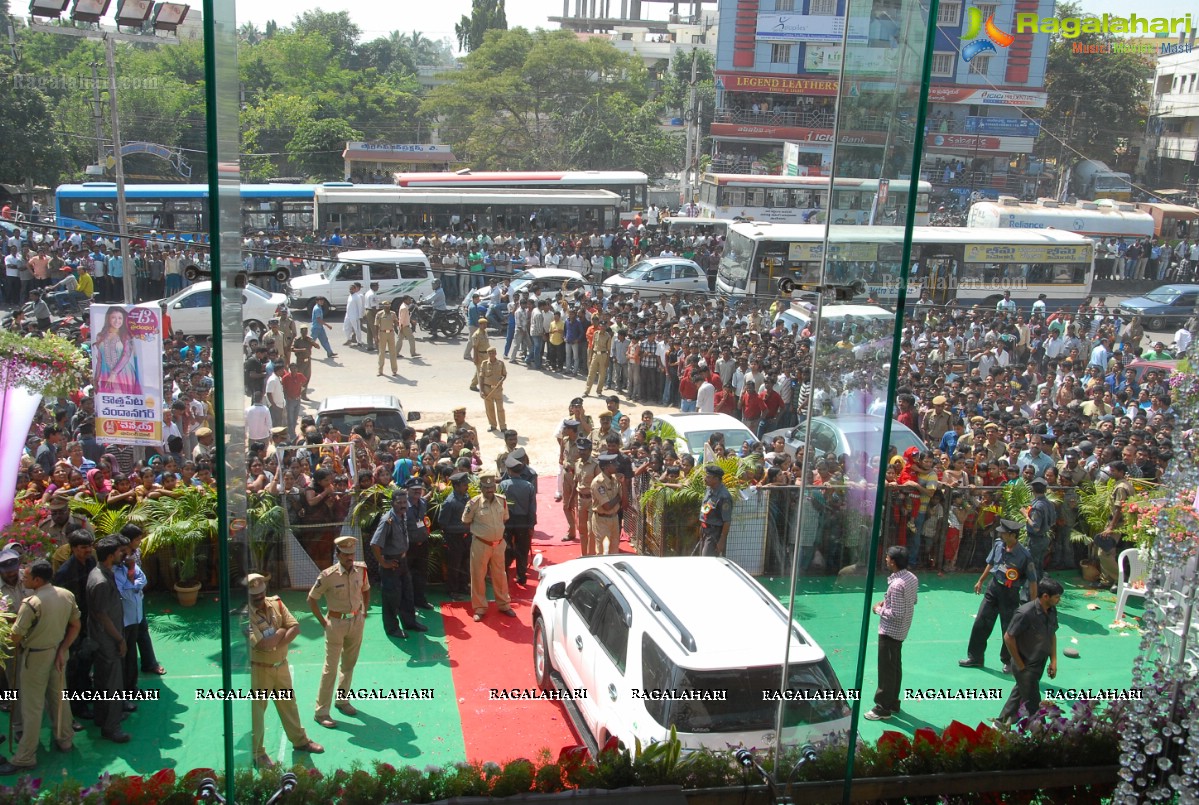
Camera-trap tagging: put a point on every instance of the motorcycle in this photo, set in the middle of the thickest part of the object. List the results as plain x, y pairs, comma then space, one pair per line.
449, 322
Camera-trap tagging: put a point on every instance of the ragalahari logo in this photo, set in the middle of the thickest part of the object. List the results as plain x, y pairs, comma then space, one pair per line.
976, 25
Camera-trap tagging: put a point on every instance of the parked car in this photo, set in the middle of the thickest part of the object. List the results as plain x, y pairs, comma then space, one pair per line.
694, 430
550, 281
850, 435
651, 647
345, 411
655, 276
191, 309
1163, 368
398, 272
1164, 307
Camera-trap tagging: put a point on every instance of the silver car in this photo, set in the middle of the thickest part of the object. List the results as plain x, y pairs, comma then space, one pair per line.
850, 435
655, 276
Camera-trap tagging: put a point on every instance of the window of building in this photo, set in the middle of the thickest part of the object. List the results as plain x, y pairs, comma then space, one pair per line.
979, 65
780, 54
822, 8
784, 5
949, 13
943, 63
988, 10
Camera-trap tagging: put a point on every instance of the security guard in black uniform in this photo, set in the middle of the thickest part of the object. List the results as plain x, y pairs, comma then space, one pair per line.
1009, 565
457, 536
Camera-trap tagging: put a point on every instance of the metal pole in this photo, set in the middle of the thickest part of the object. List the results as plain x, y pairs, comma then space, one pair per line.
689, 119
122, 217
98, 114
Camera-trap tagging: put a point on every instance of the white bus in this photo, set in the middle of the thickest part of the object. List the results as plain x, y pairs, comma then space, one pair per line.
631, 186
969, 265
362, 208
804, 199
1095, 219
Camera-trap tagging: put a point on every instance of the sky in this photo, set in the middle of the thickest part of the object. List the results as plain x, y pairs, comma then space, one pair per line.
436, 20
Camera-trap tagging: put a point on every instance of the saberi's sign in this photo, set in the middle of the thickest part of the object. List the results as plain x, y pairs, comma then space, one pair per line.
1073, 27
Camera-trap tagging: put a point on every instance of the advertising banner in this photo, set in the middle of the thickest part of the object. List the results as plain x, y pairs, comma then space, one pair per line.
786, 85
127, 374
827, 59
791, 27
1029, 253
798, 134
1014, 126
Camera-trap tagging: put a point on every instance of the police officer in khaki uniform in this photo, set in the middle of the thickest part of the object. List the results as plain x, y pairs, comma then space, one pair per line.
272, 628
60, 517
287, 333
601, 352
492, 374
605, 506
568, 454
586, 469
385, 336
12, 593
47, 624
347, 594
479, 345
485, 515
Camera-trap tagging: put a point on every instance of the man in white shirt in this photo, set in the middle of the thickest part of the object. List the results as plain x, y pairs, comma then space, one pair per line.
258, 420
275, 398
1182, 340
705, 396
404, 317
352, 326
369, 304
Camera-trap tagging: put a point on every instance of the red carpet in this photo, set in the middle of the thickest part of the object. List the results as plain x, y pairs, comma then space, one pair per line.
498, 653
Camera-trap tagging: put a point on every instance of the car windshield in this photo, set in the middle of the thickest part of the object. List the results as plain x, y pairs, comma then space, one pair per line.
733, 439
747, 704
637, 270
1163, 296
524, 276
388, 424
256, 291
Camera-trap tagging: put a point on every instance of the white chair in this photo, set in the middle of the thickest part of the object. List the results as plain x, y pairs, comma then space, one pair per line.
1136, 572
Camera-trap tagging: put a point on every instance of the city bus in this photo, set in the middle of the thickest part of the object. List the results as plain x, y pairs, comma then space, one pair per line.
1095, 219
358, 208
804, 199
963, 264
179, 210
632, 186
1172, 221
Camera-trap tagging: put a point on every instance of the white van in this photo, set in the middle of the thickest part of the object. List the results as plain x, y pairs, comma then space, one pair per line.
396, 270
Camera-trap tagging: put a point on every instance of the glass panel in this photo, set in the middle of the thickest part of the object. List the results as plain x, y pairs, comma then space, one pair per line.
843, 429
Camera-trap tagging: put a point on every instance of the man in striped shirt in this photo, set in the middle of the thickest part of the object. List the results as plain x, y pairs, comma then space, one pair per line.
895, 619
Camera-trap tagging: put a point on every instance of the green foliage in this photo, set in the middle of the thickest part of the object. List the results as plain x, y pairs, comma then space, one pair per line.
104, 519
547, 99
28, 153
183, 523
1111, 93
264, 516
485, 15
1094, 510
1014, 499
315, 149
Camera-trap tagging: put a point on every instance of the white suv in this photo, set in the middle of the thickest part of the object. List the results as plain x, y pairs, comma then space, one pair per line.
693, 643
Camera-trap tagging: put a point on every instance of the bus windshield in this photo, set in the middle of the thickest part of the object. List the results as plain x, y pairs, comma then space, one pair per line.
735, 262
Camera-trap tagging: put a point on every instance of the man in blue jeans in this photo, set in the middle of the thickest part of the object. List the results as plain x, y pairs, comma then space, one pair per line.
319, 325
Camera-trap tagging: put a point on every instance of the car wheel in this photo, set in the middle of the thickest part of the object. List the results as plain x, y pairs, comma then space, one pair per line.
1157, 323
542, 665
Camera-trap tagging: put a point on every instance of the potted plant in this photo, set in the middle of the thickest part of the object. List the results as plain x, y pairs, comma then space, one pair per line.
1094, 513
182, 524
672, 510
264, 516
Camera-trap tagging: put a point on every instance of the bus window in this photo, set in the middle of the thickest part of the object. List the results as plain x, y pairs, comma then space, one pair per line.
777, 197
733, 198
756, 197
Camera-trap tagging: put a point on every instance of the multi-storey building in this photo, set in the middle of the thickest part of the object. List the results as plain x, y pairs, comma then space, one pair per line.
777, 81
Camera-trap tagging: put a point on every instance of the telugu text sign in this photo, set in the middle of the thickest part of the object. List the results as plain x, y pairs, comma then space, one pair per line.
1026, 253
126, 350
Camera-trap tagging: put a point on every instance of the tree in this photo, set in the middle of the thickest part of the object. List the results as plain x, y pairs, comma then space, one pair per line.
315, 149
336, 27
1108, 90
29, 152
549, 100
485, 15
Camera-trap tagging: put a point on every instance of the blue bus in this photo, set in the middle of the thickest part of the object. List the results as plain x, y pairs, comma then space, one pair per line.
179, 210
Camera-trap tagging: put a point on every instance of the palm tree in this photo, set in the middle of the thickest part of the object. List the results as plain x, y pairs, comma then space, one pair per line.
184, 523
248, 32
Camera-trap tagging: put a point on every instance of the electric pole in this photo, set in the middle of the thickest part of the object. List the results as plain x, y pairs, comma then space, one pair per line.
689, 120
97, 115
122, 215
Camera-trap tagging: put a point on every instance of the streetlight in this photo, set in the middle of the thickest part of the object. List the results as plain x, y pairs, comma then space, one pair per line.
130, 14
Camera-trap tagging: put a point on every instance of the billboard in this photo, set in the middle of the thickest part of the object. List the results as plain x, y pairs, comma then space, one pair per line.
126, 350
791, 27
827, 59
1015, 126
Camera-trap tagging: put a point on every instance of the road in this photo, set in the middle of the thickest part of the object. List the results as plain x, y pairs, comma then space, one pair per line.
438, 380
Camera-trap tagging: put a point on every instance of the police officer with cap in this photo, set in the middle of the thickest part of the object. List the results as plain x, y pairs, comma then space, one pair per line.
715, 512
12, 593
606, 491
390, 545
457, 536
1009, 564
522, 516
346, 590
586, 469
568, 454
418, 542
486, 514
272, 629
47, 623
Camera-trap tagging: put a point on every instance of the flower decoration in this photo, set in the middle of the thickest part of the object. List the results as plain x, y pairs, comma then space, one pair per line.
33, 542
51, 366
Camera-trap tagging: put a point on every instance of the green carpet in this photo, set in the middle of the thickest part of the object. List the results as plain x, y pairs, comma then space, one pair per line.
831, 611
